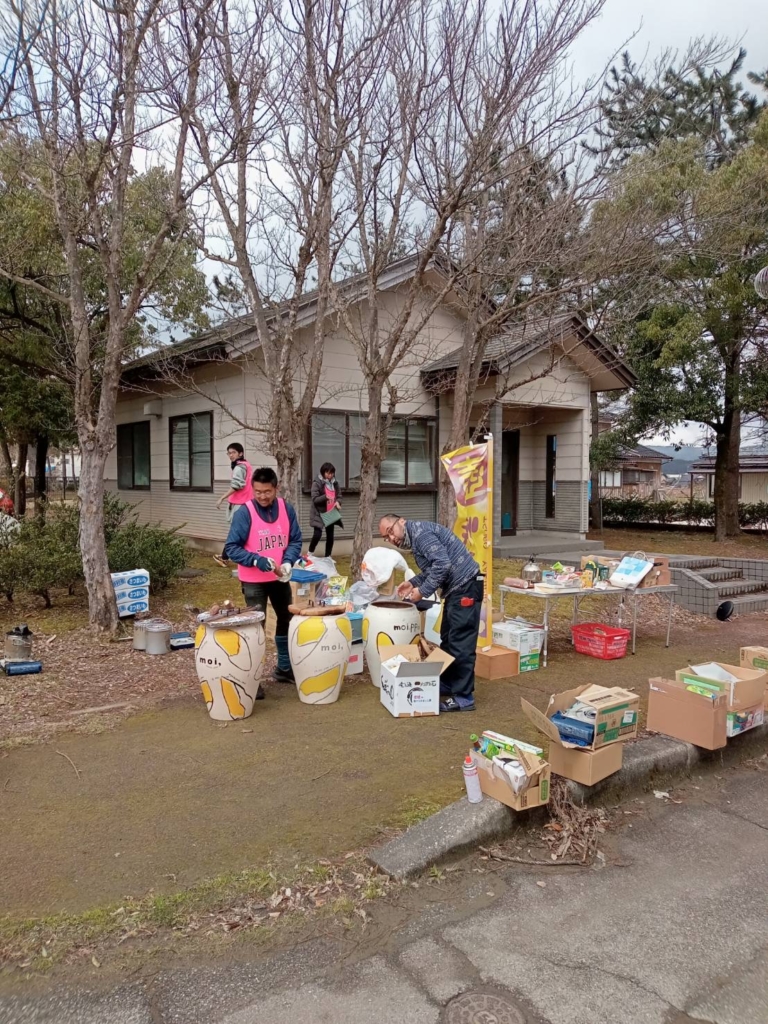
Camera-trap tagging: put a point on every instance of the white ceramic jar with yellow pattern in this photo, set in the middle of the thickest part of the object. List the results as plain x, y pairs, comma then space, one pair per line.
387, 624
229, 653
319, 646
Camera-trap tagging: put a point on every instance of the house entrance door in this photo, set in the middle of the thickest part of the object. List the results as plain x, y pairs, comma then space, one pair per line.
510, 473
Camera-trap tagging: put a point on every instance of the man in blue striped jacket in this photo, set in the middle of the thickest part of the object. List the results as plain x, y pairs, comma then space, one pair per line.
446, 565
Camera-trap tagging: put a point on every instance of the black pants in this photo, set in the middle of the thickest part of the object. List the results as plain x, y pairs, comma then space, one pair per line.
458, 636
279, 596
317, 533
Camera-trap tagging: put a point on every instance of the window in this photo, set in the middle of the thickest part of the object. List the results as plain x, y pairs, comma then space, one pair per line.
336, 437
639, 476
192, 452
133, 457
551, 484
610, 478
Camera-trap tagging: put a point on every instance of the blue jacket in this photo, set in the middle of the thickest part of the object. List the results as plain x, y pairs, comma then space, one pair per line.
441, 557
240, 527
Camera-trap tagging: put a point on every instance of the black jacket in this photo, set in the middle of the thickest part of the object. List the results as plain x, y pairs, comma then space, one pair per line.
320, 502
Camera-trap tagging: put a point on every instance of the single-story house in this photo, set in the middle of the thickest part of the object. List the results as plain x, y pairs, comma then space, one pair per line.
753, 474
638, 473
170, 459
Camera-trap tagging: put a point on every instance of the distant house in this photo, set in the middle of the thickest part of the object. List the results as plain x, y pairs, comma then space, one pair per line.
637, 474
753, 474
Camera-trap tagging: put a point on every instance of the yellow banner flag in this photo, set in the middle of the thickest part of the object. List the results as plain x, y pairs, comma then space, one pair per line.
470, 470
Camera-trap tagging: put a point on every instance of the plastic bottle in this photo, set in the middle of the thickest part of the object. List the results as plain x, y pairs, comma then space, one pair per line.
472, 781
483, 745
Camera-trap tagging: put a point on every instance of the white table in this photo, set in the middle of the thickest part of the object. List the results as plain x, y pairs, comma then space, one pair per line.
577, 594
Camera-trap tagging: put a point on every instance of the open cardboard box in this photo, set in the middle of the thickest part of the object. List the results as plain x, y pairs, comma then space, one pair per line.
413, 688
754, 657
674, 710
616, 711
567, 759
495, 783
746, 695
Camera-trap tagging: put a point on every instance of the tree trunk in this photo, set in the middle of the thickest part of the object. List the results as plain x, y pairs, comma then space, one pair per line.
20, 480
370, 466
727, 456
41, 479
6, 463
102, 608
288, 472
595, 504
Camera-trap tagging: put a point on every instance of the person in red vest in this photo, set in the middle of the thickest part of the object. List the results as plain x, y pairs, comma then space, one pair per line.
241, 473
265, 541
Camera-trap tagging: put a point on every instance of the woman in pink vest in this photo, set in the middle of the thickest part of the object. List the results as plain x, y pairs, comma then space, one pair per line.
239, 491
265, 541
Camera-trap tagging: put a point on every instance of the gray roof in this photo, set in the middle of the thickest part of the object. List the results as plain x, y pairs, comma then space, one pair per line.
519, 341
754, 459
641, 451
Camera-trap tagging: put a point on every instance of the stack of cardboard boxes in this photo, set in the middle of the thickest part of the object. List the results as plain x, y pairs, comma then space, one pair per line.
516, 648
615, 721
709, 704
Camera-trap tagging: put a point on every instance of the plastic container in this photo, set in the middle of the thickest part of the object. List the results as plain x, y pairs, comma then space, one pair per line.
573, 730
472, 781
514, 771
600, 641
157, 634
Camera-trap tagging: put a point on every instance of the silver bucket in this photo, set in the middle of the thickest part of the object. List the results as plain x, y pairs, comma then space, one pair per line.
157, 634
18, 648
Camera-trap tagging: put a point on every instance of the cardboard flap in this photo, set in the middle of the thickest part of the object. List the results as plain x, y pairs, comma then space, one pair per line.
604, 697
540, 720
676, 690
437, 659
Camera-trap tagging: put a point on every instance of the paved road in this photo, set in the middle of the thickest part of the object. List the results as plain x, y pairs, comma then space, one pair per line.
674, 929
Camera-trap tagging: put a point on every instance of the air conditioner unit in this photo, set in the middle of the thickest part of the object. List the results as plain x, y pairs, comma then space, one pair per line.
154, 408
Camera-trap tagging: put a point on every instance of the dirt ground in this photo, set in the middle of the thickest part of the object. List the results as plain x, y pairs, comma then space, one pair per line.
681, 542
152, 795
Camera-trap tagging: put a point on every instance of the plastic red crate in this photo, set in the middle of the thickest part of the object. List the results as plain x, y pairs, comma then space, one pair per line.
600, 641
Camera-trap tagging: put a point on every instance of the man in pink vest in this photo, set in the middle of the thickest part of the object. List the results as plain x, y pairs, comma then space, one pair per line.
239, 491
265, 541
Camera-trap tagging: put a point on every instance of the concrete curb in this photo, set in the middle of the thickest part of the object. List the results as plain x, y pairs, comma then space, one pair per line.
462, 825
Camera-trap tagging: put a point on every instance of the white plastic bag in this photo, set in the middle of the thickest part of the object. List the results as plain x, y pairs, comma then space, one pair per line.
361, 594
630, 571
326, 566
378, 565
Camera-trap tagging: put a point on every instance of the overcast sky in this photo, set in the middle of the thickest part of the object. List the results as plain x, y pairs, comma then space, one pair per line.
665, 24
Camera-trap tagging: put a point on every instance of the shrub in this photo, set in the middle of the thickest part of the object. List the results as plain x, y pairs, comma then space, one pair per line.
161, 552
45, 556
698, 512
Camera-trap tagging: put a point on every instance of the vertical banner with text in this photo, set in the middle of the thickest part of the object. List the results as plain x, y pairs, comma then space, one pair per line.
470, 470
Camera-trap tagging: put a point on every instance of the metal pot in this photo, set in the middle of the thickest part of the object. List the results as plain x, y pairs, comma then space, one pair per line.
157, 635
531, 571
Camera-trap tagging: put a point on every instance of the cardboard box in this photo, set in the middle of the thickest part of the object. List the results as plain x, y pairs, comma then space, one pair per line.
659, 576
529, 662
413, 688
586, 766
754, 657
495, 783
497, 663
742, 721
616, 713
674, 710
524, 637
356, 661
743, 695
303, 595
568, 759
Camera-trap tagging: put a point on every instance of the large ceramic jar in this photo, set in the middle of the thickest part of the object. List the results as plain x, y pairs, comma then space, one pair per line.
386, 623
229, 652
319, 646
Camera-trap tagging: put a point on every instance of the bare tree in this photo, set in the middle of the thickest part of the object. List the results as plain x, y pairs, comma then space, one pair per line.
283, 89
455, 117
85, 102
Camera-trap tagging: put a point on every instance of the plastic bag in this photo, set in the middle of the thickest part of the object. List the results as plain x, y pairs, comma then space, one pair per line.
378, 565
326, 566
361, 594
631, 570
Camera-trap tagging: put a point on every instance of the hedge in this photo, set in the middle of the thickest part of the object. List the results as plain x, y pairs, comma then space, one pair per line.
625, 511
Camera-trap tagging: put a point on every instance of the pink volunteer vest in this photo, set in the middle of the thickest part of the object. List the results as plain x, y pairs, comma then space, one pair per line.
245, 493
267, 539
